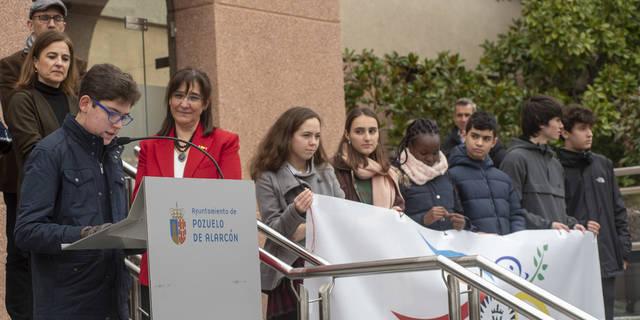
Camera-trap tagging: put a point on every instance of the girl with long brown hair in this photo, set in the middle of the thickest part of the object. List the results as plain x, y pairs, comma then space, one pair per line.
289, 167
361, 163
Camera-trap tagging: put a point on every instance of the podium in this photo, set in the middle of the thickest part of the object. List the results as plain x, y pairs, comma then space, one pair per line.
202, 241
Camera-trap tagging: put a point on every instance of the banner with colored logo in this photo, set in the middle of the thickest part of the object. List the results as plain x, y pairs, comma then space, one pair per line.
342, 231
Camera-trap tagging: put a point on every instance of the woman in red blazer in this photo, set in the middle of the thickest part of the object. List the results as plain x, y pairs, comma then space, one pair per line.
189, 117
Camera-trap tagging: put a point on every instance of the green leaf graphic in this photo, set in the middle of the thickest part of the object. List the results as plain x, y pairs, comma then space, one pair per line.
546, 247
544, 267
535, 262
540, 277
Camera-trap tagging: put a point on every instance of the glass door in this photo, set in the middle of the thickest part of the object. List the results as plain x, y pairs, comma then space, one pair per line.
132, 35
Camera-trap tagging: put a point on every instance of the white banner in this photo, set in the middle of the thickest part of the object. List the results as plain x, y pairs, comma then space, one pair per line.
342, 231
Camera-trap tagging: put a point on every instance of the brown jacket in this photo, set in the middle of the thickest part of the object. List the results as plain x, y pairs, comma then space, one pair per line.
9, 73
30, 119
346, 180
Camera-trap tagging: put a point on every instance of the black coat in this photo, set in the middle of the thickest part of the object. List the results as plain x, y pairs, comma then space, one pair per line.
497, 153
67, 185
487, 194
418, 199
592, 193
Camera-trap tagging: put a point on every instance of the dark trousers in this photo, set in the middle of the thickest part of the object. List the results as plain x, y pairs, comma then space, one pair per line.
609, 294
145, 301
288, 316
283, 304
19, 297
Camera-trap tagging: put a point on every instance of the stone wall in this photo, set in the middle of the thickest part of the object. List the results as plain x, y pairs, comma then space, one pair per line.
3, 256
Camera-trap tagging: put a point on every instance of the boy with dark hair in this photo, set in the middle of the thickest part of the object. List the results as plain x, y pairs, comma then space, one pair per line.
487, 194
73, 186
593, 197
463, 109
536, 173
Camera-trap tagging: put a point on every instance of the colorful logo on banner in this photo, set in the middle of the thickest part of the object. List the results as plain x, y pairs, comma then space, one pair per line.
512, 264
490, 308
177, 226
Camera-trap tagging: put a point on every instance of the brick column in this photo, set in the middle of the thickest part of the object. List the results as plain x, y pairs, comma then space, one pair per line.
264, 57
14, 32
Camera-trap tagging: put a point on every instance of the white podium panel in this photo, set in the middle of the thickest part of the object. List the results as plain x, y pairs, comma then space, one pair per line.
202, 245
202, 241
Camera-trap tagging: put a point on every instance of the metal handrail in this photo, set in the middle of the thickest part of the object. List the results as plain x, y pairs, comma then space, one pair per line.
629, 171
292, 246
629, 191
273, 262
132, 262
539, 293
626, 171
387, 266
132, 266
408, 265
129, 169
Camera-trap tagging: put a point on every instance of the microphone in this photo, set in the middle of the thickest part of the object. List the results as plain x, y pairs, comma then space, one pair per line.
121, 141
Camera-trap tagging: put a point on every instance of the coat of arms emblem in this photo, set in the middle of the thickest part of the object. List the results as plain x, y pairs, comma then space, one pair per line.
177, 226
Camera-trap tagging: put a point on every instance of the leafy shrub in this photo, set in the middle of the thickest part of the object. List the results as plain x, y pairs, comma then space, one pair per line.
579, 51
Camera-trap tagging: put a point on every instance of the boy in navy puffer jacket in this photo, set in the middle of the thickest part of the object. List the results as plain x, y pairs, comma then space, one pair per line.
487, 194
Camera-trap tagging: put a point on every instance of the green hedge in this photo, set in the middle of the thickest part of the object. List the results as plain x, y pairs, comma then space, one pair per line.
579, 51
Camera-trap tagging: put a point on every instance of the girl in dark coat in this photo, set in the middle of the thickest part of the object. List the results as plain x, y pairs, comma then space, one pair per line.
430, 197
361, 163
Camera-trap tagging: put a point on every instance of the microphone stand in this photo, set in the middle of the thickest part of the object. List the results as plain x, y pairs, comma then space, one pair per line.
126, 140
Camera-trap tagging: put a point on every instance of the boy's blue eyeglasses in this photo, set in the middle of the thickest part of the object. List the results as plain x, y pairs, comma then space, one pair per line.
114, 117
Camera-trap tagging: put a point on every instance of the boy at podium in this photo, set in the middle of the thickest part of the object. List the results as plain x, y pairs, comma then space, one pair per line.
73, 186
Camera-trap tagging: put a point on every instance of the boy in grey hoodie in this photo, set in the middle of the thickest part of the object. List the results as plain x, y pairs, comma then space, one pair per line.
537, 174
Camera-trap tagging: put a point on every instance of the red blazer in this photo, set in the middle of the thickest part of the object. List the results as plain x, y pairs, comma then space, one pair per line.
156, 160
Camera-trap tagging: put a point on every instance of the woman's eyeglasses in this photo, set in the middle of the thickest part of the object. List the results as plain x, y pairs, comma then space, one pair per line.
191, 98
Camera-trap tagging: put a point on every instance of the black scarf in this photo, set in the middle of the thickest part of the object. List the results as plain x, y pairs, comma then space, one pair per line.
574, 159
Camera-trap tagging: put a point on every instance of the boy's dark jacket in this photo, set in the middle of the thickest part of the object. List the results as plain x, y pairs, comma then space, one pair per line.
487, 194
592, 193
538, 177
75, 182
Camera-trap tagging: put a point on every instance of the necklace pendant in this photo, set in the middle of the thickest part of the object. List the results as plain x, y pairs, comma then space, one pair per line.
182, 156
